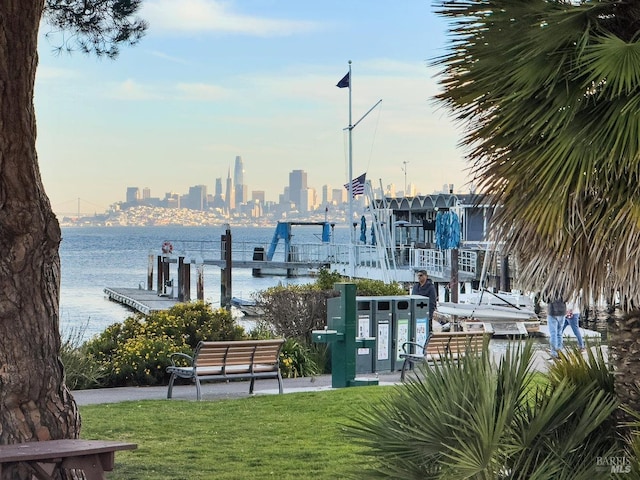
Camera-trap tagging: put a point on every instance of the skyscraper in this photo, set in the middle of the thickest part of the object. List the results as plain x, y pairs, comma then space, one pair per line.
229, 198
297, 184
238, 182
133, 194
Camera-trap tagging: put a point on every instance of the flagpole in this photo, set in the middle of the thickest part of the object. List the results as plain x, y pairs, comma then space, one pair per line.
350, 180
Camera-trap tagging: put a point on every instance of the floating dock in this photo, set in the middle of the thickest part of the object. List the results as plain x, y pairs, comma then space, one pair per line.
143, 301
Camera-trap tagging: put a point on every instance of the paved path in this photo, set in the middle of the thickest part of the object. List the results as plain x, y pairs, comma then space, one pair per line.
222, 390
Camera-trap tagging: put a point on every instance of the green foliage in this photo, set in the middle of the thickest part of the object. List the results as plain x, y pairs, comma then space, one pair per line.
136, 351
296, 360
295, 310
81, 370
476, 419
365, 287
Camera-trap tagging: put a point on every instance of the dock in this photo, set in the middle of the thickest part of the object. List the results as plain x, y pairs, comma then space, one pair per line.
143, 301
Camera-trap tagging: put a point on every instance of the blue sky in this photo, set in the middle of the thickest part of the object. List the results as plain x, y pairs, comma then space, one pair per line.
257, 78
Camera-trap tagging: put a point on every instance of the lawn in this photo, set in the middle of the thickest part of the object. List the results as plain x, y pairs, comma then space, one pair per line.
291, 436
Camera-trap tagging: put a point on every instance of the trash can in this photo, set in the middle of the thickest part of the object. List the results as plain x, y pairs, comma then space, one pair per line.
364, 356
384, 327
420, 313
404, 328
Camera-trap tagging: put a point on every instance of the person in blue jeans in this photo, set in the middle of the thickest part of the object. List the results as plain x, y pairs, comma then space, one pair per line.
556, 312
572, 319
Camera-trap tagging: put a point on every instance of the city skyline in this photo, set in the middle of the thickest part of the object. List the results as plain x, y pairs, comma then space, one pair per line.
325, 195
214, 80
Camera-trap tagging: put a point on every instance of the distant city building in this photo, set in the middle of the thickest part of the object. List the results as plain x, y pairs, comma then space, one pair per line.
229, 197
338, 196
326, 194
218, 190
238, 182
258, 196
146, 193
297, 185
197, 198
133, 194
172, 200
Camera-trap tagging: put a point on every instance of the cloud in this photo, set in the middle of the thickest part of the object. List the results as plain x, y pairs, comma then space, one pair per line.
216, 16
131, 90
201, 91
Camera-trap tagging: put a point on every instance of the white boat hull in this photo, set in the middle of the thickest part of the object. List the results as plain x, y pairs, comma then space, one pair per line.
485, 312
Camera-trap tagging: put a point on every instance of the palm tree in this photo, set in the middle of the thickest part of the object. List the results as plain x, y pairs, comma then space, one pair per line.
549, 92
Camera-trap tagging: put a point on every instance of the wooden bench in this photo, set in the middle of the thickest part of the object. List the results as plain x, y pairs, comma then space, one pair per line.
229, 360
441, 345
93, 457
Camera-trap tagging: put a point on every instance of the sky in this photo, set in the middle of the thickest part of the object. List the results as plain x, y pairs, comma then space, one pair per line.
215, 79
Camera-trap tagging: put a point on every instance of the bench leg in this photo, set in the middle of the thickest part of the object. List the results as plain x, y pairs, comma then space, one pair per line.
198, 395
279, 383
404, 369
171, 380
251, 385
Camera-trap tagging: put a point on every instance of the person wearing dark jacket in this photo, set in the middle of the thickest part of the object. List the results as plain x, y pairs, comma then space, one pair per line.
556, 311
425, 287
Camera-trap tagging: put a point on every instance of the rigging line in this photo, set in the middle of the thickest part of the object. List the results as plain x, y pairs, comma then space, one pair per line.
373, 140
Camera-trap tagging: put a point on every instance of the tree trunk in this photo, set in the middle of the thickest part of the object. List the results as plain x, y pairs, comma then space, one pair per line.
624, 349
34, 402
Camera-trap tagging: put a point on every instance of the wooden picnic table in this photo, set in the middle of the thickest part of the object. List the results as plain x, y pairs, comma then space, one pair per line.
94, 457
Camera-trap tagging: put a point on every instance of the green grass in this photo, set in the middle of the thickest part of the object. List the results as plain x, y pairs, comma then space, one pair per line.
292, 436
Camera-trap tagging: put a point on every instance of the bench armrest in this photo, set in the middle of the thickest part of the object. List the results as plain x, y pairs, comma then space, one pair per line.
173, 357
414, 344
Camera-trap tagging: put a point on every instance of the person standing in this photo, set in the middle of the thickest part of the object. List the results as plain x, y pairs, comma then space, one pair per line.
556, 311
572, 319
425, 287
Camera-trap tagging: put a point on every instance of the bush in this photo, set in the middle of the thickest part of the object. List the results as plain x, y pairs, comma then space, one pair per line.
476, 419
295, 310
81, 370
296, 360
136, 351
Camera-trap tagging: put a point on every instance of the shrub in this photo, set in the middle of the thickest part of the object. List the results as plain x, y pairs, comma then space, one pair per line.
136, 351
296, 360
476, 419
295, 310
81, 370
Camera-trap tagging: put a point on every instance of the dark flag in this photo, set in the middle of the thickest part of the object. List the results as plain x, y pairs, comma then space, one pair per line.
344, 82
357, 185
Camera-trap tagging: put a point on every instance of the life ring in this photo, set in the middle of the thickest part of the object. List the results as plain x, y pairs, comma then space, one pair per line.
167, 247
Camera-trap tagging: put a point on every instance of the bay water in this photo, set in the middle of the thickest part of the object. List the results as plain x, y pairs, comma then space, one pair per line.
93, 258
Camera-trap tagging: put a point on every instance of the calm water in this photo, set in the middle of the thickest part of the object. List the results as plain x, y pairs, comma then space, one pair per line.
93, 258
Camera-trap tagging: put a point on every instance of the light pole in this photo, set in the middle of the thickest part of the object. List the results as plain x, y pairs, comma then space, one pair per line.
404, 169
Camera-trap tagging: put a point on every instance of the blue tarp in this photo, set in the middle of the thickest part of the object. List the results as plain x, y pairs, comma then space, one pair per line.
363, 229
447, 230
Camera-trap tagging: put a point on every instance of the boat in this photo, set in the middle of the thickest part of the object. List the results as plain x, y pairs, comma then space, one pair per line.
248, 307
485, 312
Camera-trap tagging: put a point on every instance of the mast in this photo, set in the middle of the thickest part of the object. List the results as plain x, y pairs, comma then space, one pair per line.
350, 190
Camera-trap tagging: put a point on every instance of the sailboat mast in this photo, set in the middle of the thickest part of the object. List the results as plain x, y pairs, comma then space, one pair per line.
350, 183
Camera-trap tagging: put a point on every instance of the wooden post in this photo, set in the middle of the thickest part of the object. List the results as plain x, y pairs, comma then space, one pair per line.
504, 273
225, 273
186, 282
200, 285
160, 275
150, 273
454, 283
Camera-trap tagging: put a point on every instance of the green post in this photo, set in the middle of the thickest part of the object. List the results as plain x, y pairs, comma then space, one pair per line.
341, 334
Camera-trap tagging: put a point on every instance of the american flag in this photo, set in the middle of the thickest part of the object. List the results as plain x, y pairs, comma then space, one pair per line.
357, 185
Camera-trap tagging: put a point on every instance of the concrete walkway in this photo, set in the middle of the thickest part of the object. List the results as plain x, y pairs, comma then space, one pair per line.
240, 389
